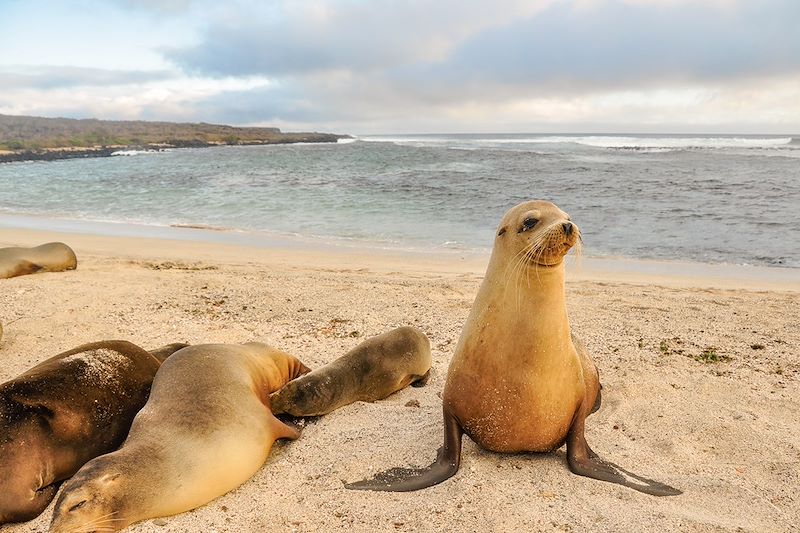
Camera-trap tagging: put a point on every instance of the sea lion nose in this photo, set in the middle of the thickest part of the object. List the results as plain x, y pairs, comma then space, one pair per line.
567, 228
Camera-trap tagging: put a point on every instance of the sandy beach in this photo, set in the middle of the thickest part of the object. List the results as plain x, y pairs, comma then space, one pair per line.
700, 366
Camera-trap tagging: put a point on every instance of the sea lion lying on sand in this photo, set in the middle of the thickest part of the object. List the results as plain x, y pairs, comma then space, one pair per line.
50, 257
206, 429
376, 368
65, 411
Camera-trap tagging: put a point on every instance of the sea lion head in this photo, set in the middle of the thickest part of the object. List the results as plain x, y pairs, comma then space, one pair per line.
93, 499
538, 233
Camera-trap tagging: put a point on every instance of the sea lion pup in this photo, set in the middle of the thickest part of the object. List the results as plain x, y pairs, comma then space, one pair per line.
371, 371
206, 429
519, 381
50, 257
65, 411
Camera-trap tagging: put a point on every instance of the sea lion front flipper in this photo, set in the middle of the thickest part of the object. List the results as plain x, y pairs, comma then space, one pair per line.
400, 479
421, 381
584, 462
165, 351
29, 507
282, 430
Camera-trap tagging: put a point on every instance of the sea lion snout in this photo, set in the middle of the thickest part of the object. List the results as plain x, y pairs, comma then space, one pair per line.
567, 228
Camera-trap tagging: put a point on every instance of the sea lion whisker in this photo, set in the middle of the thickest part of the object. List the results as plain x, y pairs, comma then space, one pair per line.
97, 522
512, 261
513, 264
517, 279
520, 266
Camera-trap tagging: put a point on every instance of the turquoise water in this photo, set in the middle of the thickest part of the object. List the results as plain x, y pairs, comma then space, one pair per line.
733, 199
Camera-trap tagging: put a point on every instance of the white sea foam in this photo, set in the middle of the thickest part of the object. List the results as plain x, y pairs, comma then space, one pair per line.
652, 144
669, 142
134, 152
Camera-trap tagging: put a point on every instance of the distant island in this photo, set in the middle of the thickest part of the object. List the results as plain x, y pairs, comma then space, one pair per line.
36, 138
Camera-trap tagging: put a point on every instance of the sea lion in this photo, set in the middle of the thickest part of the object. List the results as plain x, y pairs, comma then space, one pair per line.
519, 381
50, 257
371, 371
206, 429
65, 411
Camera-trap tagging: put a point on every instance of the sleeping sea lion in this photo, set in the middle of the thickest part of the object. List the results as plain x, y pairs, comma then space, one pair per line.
65, 411
50, 257
206, 429
371, 371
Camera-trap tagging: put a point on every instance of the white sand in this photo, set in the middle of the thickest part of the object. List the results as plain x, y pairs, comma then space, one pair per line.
727, 433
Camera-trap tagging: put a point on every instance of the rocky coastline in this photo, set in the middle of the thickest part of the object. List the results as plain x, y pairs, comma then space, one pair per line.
53, 154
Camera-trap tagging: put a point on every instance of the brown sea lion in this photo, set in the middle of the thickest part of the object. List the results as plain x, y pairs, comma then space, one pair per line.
519, 381
371, 371
65, 411
206, 429
50, 257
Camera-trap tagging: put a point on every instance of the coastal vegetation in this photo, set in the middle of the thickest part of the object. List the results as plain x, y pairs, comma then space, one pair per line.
22, 136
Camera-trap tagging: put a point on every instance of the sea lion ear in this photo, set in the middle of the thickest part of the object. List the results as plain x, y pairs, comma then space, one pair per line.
108, 478
502, 231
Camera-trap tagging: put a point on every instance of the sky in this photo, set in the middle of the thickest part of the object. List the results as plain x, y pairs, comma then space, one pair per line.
413, 66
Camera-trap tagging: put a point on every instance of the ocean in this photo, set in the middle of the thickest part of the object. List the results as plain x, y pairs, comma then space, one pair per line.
712, 199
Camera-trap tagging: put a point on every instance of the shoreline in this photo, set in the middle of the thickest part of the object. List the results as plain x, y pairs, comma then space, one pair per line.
56, 154
180, 243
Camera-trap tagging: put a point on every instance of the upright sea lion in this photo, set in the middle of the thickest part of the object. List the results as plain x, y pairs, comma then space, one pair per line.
371, 371
65, 411
519, 381
50, 257
206, 429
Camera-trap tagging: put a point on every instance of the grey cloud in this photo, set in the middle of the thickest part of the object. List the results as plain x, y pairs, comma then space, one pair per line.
622, 45
300, 38
611, 44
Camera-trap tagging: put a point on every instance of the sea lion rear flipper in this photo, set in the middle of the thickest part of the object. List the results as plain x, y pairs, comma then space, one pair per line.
400, 479
22, 268
584, 462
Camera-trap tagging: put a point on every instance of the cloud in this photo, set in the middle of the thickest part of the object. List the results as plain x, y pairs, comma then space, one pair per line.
388, 64
175, 98
53, 77
310, 37
615, 44
449, 65
566, 43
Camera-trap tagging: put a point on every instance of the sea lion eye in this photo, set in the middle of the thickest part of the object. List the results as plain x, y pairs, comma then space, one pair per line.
528, 223
77, 506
